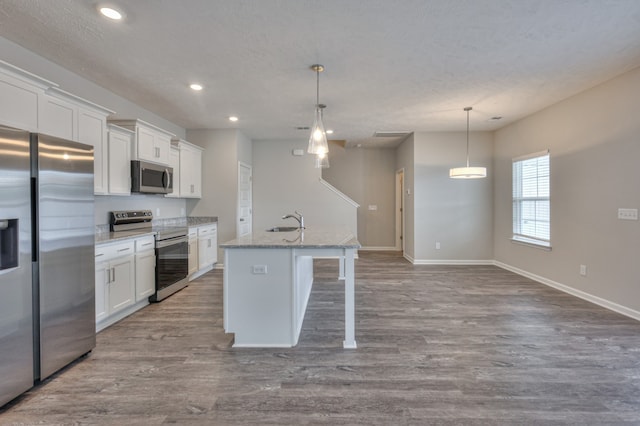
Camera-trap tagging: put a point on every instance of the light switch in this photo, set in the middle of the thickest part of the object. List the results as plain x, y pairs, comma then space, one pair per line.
373, 207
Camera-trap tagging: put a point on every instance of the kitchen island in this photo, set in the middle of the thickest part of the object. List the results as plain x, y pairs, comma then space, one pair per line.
268, 278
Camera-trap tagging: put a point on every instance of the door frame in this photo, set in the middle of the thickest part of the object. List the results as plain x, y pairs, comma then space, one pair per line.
240, 166
400, 211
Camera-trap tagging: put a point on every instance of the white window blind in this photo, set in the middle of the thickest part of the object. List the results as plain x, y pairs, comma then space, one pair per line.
531, 203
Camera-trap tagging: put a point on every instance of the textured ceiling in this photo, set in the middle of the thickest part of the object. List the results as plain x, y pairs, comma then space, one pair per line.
390, 65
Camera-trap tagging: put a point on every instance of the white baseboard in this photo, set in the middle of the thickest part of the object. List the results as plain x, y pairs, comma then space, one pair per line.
452, 262
572, 291
373, 248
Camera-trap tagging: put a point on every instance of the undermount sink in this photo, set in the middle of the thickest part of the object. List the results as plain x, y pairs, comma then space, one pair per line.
282, 229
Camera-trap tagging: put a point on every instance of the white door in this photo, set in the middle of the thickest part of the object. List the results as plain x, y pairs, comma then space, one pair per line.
245, 206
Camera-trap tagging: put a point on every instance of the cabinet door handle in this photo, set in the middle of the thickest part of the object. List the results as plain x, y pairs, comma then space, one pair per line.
114, 273
124, 249
209, 242
108, 271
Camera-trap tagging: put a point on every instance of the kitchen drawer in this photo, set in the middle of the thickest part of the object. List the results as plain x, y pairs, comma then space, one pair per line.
193, 233
145, 243
207, 230
111, 251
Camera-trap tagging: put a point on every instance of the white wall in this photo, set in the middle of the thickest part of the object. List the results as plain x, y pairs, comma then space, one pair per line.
367, 175
222, 149
594, 145
457, 213
283, 183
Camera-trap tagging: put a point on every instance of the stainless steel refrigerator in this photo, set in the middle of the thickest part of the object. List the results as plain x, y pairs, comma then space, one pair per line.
47, 288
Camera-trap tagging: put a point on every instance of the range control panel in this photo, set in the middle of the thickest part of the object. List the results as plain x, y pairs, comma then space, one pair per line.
133, 219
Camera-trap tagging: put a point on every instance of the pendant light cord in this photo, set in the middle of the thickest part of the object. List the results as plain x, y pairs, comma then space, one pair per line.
468, 137
317, 88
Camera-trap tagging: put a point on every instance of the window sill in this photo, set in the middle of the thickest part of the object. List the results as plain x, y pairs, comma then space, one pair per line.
531, 243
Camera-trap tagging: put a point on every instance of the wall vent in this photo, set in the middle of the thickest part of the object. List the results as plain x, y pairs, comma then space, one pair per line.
390, 134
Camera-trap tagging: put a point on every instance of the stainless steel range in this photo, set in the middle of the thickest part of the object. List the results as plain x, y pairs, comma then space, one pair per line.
172, 250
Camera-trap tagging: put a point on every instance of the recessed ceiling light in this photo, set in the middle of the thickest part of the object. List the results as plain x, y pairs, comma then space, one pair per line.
329, 132
233, 118
111, 13
195, 86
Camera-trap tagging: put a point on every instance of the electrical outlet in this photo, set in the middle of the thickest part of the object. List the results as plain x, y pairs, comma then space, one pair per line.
437, 245
628, 214
373, 207
182, 212
157, 211
583, 270
259, 269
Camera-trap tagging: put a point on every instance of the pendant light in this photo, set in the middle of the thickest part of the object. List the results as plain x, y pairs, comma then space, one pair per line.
318, 138
322, 158
468, 172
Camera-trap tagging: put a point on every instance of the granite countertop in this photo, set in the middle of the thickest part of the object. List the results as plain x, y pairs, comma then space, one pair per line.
109, 237
201, 220
103, 235
310, 237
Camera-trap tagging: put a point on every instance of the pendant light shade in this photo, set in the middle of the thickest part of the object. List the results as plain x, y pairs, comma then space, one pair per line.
322, 161
318, 138
468, 172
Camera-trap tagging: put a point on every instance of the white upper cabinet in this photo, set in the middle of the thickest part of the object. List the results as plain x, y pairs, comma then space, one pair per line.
20, 92
119, 161
174, 163
67, 116
151, 143
190, 170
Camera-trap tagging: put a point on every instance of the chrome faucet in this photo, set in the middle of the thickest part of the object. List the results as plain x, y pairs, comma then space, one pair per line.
299, 218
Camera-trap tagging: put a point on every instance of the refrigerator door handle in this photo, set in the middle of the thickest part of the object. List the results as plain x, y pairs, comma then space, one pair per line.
34, 221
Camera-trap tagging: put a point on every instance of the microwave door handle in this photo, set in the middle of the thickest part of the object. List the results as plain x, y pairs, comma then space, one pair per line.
165, 179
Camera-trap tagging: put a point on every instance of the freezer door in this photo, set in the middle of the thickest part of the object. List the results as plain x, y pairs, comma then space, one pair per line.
16, 326
66, 251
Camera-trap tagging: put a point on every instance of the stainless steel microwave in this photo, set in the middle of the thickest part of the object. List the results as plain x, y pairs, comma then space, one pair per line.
149, 178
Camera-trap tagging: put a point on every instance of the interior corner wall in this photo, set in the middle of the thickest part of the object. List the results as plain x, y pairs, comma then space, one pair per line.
283, 182
456, 213
219, 180
367, 176
405, 157
594, 153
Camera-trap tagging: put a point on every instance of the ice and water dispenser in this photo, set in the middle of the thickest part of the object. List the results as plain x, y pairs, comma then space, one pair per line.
8, 243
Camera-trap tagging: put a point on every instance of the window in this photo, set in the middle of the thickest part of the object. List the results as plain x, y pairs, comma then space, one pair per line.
531, 204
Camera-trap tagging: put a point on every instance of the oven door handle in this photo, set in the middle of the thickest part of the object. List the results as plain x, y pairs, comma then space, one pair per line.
170, 242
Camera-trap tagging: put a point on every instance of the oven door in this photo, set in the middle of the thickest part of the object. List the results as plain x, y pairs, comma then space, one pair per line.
172, 262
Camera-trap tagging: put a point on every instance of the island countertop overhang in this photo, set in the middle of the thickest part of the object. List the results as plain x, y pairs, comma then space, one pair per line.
310, 237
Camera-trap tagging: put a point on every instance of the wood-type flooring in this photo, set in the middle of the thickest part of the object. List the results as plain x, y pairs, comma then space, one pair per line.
450, 345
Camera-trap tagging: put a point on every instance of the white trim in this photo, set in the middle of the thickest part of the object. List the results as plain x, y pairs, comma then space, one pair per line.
338, 192
631, 313
531, 242
26, 76
452, 262
532, 155
375, 248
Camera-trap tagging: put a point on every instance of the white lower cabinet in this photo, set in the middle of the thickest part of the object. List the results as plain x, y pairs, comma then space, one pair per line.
193, 252
115, 278
145, 268
125, 278
207, 246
